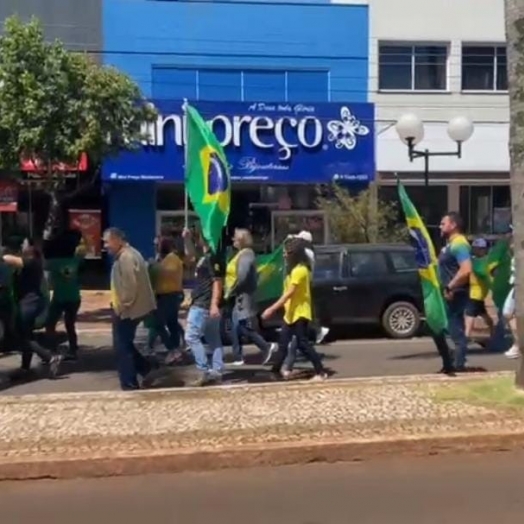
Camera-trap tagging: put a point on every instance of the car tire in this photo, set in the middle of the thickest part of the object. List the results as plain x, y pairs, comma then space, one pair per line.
401, 320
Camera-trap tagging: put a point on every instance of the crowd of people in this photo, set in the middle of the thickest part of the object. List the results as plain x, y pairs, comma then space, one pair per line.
153, 292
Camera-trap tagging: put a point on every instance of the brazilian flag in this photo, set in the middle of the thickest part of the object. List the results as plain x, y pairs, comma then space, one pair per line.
494, 270
207, 177
270, 269
434, 306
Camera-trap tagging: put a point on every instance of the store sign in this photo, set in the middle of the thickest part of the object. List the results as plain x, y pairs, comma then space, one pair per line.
8, 197
89, 223
264, 142
38, 166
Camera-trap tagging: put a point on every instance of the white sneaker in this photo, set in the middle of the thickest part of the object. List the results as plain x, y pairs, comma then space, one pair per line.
322, 334
270, 352
237, 362
513, 352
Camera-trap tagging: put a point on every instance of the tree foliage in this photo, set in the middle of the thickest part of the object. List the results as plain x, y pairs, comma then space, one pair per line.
359, 219
56, 104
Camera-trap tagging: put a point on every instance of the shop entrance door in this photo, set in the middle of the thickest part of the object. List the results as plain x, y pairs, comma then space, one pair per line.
284, 223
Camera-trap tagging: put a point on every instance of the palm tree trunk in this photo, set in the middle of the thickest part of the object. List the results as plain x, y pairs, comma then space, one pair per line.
515, 42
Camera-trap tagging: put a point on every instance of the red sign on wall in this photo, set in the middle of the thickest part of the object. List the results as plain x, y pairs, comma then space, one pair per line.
37, 166
8, 197
89, 223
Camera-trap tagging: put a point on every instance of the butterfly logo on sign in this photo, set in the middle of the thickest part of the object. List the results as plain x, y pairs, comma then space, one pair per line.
344, 132
421, 246
216, 179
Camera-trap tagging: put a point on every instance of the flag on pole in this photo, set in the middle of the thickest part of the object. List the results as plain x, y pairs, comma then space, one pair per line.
434, 306
270, 269
207, 179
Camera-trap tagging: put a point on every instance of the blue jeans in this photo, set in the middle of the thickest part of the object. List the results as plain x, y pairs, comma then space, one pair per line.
456, 308
201, 325
167, 326
244, 328
130, 362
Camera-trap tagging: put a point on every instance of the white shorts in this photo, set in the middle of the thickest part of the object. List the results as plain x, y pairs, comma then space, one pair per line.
509, 304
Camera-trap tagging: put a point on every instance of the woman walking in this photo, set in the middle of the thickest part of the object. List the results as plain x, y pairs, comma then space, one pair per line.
28, 280
241, 285
296, 301
169, 293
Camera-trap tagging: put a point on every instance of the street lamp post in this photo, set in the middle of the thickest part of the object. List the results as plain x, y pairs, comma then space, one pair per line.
410, 130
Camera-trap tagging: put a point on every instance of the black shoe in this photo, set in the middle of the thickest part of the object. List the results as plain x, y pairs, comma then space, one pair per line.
450, 371
70, 356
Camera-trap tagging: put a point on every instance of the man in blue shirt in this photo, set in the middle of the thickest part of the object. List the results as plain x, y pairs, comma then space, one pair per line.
454, 267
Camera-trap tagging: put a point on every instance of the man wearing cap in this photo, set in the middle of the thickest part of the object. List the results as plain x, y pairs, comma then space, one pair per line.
478, 291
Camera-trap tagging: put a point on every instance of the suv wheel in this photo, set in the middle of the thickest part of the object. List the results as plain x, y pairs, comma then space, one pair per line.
401, 320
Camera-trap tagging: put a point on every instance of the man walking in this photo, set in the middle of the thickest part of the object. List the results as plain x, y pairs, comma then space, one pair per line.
454, 267
132, 299
203, 318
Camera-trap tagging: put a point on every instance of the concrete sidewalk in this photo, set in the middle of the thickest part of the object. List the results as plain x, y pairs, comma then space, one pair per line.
110, 433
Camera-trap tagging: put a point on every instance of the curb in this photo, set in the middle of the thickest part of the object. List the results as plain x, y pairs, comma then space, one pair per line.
271, 455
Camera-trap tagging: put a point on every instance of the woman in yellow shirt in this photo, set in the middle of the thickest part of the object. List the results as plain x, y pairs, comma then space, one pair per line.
296, 301
169, 293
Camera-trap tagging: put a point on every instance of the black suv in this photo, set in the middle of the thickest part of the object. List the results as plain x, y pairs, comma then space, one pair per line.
366, 284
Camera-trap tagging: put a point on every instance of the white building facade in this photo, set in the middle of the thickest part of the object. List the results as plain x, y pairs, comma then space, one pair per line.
439, 60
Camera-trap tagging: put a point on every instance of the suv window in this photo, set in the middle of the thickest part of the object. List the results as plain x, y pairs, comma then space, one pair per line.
327, 266
368, 264
403, 261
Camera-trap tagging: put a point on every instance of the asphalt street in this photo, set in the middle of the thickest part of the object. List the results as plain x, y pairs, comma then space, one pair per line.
350, 358
440, 490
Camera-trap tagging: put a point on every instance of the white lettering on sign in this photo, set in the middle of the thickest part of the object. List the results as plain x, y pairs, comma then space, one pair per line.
285, 133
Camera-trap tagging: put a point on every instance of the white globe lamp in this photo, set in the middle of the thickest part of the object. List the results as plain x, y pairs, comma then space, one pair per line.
410, 129
460, 129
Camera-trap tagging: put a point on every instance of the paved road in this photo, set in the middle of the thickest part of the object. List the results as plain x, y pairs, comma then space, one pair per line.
354, 358
469, 489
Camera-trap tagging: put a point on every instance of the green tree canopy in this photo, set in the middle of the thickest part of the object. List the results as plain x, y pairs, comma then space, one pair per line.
56, 104
359, 219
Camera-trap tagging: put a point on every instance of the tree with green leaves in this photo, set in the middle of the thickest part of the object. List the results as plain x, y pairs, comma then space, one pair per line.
359, 218
56, 105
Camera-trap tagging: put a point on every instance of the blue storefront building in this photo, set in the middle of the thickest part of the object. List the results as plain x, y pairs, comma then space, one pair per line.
284, 87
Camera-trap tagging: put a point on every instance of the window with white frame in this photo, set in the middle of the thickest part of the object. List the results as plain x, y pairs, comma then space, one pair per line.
484, 68
409, 67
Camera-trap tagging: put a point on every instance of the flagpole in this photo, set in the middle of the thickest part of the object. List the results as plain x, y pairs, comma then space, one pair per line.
186, 198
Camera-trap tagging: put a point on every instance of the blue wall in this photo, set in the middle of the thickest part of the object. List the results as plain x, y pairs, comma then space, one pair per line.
140, 34
233, 51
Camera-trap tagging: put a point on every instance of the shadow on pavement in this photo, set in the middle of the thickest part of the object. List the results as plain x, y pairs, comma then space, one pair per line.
481, 352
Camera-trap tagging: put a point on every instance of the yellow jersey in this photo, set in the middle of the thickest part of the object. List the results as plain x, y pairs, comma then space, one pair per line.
298, 306
478, 290
232, 272
170, 275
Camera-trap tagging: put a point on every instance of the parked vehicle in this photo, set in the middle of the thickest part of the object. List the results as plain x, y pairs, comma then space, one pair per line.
366, 284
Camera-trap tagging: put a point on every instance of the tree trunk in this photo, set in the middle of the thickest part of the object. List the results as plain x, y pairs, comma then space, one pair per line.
515, 42
52, 215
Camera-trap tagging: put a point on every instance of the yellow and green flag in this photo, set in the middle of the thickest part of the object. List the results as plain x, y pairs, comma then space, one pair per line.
435, 308
207, 178
495, 270
270, 269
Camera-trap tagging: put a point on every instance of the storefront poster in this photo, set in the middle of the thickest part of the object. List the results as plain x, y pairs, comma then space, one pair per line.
8, 197
89, 223
264, 143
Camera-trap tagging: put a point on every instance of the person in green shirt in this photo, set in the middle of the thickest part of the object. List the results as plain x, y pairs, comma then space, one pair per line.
66, 300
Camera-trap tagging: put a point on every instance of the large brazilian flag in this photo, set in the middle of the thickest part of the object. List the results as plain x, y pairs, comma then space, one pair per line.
435, 308
207, 177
